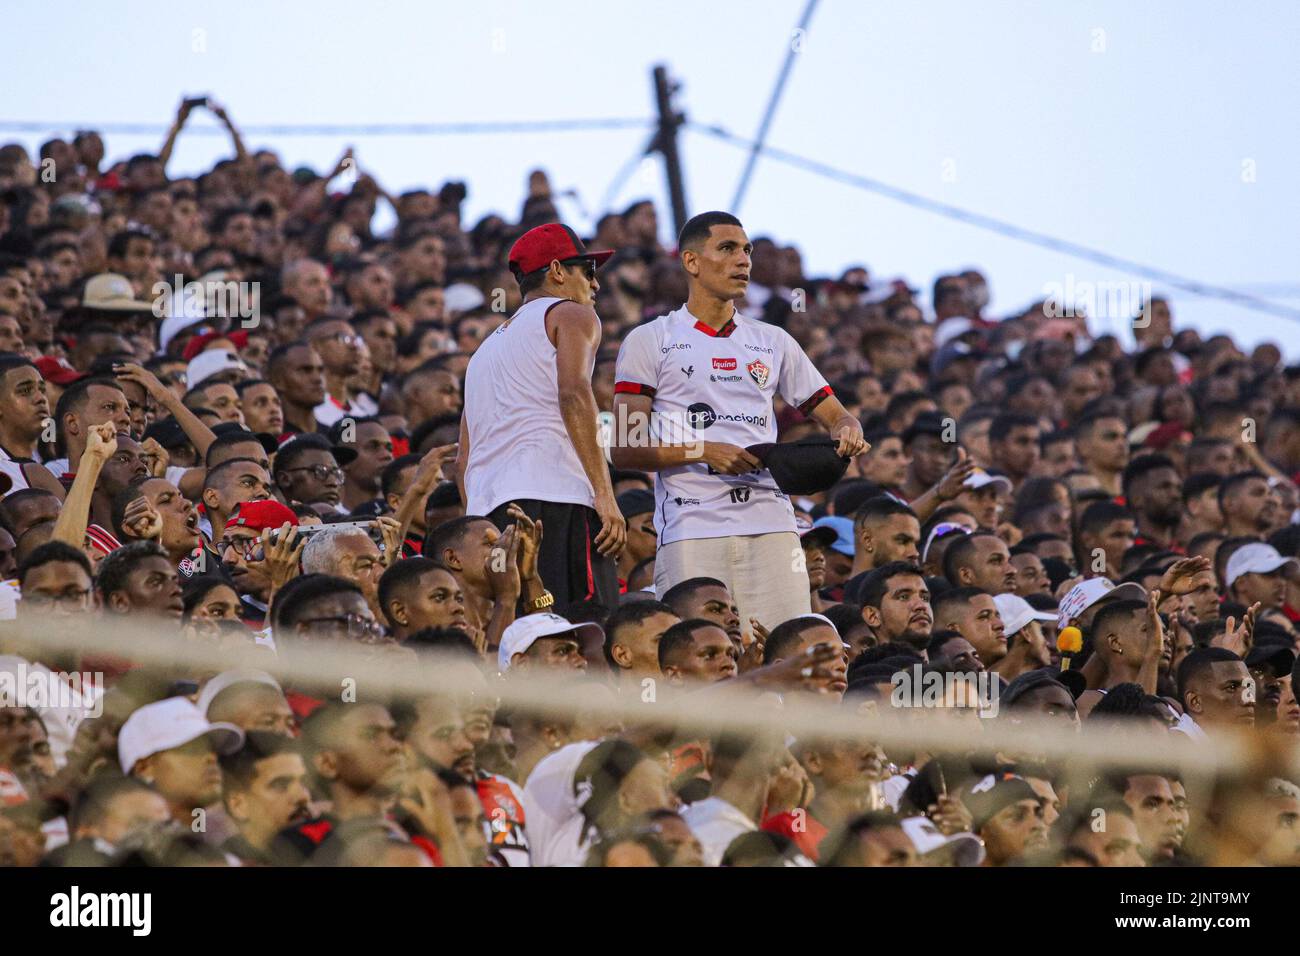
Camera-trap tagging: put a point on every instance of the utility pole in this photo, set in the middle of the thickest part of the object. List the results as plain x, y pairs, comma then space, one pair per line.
665, 143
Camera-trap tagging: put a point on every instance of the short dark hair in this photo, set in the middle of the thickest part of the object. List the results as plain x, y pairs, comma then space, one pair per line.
631, 614
697, 228
118, 564
680, 636
213, 475
1139, 468
401, 574
393, 471
1003, 424
1200, 482
1230, 484
879, 508
954, 596
295, 448
1101, 513
449, 534
93, 803
1199, 662
681, 592
960, 551
872, 589
240, 436
292, 600
786, 635
74, 398
239, 768
53, 552
1111, 612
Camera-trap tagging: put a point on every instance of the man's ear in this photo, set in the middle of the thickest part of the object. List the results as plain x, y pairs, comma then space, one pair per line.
71, 424
872, 616
452, 559
119, 603
1115, 644
1192, 702
691, 262
394, 500
674, 674
812, 762
621, 655
236, 802
144, 769
555, 736
283, 481
865, 541
965, 577
397, 610
211, 499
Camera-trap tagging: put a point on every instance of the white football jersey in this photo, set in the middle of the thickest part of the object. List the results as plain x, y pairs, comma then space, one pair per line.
715, 386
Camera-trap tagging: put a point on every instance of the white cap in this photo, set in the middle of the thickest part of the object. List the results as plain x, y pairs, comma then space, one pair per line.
228, 679
526, 631
167, 724
1016, 612
461, 297
181, 316
967, 849
942, 529
951, 328
979, 478
1087, 593
1257, 558
211, 362
9, 598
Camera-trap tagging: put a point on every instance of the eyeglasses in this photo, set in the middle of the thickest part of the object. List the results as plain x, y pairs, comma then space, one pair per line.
353, 625
321, 472
67, 601
250, 548
588, 267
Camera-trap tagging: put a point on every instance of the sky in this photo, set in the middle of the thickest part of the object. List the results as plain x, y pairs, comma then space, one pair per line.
1162, 131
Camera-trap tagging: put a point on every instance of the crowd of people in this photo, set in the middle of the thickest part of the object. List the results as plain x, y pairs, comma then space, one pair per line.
233, 413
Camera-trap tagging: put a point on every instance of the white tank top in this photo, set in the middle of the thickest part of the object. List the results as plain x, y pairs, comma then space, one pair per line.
518, 445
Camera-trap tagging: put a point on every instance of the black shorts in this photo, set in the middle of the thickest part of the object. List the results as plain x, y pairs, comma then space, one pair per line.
570, 566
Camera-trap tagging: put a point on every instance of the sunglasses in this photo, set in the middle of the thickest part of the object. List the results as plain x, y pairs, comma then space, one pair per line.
588, 266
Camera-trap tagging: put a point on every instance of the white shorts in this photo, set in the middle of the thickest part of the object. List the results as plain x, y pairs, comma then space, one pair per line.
764, 572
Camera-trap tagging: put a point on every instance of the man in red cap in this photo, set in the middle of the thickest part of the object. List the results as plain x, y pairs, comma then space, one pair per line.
528, 433
257, 561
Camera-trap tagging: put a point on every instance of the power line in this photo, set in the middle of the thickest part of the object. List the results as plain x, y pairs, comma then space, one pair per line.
766, 123
343, 129
1003, 228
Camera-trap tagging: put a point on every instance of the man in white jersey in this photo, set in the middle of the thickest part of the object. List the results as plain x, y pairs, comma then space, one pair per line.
705, 377
528, 432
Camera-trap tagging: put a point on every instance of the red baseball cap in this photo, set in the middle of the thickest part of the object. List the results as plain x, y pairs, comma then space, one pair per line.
197, 344
56, 369
539, 247
260, 515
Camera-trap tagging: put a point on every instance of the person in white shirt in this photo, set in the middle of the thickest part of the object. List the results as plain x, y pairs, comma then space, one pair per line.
528, 433
740, 769
704, 378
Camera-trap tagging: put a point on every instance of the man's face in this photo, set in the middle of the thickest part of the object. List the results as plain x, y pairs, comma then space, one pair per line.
1152, 802
381, 337
337, 345
838, 568
1252, 504
1017, 453
1160, 497
24, 406
241, 482
684, 844
980, 623
1031, 577
224, 400
126, 465
187, 776
885, 846
1268, 589
277, 797
814, 559
721, 263
315, 478
1081, 387
641, 537
886, 463
989, 566
262, 410
104, 403
558, 652
251, 706
431, 394
299, 376
636, 646
836, 682
364, 754
931, 457
711, 657
904, 614
424, 261
357, 559
471, 555
152, 587
1058, 458
1014, 831
180, 520
62, 588
33, 510
1051, 701
1223, 695
961, 653
471, 824
374, 448
311, 287
1116, 844
897, 538
438, 735
343, 616
714, 603
436, 600
127, 814
1114, 539
1104, 447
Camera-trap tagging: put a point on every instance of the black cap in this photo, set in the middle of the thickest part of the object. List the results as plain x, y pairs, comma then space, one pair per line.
167, 432
926, 423
268, 442
635, 501
1276, 658
805, 466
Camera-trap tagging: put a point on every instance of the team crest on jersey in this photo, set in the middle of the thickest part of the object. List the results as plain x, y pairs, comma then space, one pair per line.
758, 371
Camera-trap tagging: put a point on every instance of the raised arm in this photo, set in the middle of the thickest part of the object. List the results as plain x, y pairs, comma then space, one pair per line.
70, 527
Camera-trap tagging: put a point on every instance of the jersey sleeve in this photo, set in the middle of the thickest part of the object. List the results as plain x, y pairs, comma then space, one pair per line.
637, 370
800, 384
